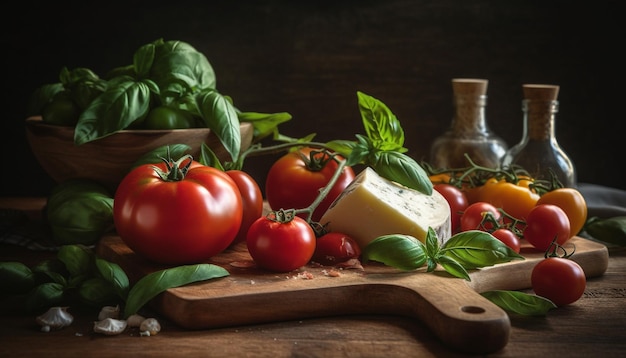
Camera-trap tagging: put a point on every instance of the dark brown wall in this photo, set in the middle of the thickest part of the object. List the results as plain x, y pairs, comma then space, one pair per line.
310, 57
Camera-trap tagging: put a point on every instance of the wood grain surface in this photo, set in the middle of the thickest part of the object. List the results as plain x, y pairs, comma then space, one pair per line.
452, 308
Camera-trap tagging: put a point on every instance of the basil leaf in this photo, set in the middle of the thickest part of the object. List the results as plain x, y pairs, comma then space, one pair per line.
176, 151
453, 267
152, 284
474, 249
209, 158
97, 292
220, 116
124, 102
519, 302
402, 169
16, 277
177, 61
115, 275
611, 230
77, 259
400, 251
381, 125
143, 59
44, 296
343, 147
264, 124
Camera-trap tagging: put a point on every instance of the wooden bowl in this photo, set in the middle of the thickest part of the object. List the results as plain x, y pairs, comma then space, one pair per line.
107, 160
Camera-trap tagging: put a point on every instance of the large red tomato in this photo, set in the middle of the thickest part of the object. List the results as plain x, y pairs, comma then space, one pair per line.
252, 200
294, 181
184, 219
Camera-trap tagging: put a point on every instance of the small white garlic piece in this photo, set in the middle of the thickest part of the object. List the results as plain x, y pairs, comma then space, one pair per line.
151, 326
109, 312
55, 318
135, 320
109, 326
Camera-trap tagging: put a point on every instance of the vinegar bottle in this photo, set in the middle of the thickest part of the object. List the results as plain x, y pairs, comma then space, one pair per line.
468, 133
539, 152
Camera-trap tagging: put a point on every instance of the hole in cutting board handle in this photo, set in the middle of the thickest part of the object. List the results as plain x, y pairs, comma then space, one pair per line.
472, 309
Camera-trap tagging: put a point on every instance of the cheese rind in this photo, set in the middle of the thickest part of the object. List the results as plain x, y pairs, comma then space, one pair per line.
372, 206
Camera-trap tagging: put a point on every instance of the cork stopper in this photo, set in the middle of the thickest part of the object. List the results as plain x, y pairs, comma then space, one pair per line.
540, 92
469, 86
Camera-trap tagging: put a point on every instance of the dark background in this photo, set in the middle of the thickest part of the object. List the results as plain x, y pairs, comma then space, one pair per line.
310, 58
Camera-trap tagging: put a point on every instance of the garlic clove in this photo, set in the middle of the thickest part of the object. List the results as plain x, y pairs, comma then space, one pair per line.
55, 318
109, 312
151, 326
110, 326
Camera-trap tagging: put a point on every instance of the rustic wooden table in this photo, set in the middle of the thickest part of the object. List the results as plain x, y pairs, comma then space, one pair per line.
593, 326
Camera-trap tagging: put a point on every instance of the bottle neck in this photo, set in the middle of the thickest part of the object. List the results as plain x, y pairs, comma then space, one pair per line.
469, 114
539, 118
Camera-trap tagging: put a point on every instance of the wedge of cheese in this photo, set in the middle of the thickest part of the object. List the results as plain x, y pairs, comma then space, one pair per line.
372, 206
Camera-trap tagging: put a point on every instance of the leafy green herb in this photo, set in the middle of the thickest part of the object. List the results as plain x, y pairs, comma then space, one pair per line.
16, 277
382, 148
400, 251
611, 230
463, 251
476, 249
520, 302
78, 273
153, 284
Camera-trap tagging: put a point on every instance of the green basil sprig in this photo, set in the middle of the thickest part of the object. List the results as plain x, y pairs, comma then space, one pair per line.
382, 147
463, 251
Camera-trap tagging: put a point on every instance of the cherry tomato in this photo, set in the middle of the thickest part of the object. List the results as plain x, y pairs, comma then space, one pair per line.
280, 245
61, 111
457, 201
558, 279
164, 117
177, 220
545, 223
252, 200
472, 218
509, 238
572, 202
333, 248
294, 181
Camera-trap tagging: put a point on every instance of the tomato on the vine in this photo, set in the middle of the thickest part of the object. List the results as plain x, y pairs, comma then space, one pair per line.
509, 238
558, 279
252, 200
294, 181
473, 218
457, 201
177, 214
573, 204
334, 247
280, 241
546, 223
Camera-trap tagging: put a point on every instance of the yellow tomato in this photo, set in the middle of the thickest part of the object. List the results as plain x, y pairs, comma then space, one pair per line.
515, 200
572, 202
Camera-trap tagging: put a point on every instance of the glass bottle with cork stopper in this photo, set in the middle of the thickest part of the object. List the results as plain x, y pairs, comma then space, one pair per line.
468, 133
539, 152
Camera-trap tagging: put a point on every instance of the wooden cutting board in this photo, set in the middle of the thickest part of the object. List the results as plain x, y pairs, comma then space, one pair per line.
452, 308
